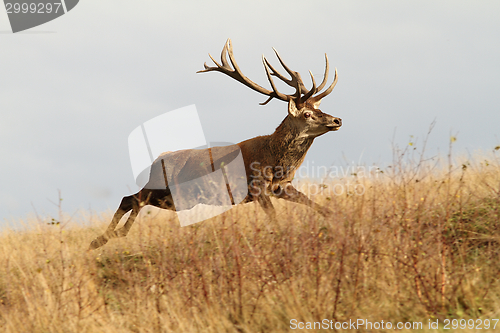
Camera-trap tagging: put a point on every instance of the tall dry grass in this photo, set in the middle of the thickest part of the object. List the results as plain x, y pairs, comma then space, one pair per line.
421, 243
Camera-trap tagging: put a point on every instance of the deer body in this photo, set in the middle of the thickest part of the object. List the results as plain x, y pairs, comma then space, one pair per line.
270, 160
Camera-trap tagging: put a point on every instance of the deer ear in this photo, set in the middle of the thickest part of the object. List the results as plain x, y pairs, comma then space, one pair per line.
292, 108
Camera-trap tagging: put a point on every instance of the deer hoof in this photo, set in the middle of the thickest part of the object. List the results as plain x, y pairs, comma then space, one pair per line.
98, 242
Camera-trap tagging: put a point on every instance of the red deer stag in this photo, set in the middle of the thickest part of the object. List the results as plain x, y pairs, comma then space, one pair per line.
270, 160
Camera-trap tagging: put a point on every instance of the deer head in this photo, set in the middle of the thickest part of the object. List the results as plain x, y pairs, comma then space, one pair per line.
303, 106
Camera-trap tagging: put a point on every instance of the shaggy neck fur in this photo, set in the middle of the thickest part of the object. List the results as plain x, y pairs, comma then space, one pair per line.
288, 145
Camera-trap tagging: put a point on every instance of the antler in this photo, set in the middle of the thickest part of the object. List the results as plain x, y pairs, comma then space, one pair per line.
295, 81
239, 76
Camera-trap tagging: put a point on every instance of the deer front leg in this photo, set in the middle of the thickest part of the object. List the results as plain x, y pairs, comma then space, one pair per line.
290, 193
258, 191
267, 205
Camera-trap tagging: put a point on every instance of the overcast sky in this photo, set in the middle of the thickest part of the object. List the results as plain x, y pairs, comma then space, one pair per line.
73, 89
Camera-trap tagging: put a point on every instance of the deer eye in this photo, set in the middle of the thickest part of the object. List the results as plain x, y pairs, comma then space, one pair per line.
307, 114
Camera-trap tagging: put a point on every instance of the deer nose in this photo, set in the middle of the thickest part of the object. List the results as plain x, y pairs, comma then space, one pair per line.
338, 121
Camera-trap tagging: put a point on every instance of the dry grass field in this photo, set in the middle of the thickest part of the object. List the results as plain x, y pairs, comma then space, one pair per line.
420, 242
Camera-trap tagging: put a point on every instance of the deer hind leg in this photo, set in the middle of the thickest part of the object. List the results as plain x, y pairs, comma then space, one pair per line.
158, 198
290, 193
123, 231
128, 203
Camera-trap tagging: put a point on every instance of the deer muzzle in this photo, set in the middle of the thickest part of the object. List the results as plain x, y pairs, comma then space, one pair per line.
335, 124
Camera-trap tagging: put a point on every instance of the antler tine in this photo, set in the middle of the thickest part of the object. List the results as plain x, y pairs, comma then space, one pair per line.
208, 68
293, 74
291, 82
327, 91
243, 78
296, 79
313, 89
275, 91
223, 57
224, 68
325, 77
279, 75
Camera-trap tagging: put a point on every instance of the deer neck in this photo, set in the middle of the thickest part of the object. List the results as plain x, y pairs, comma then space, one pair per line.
289, 144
